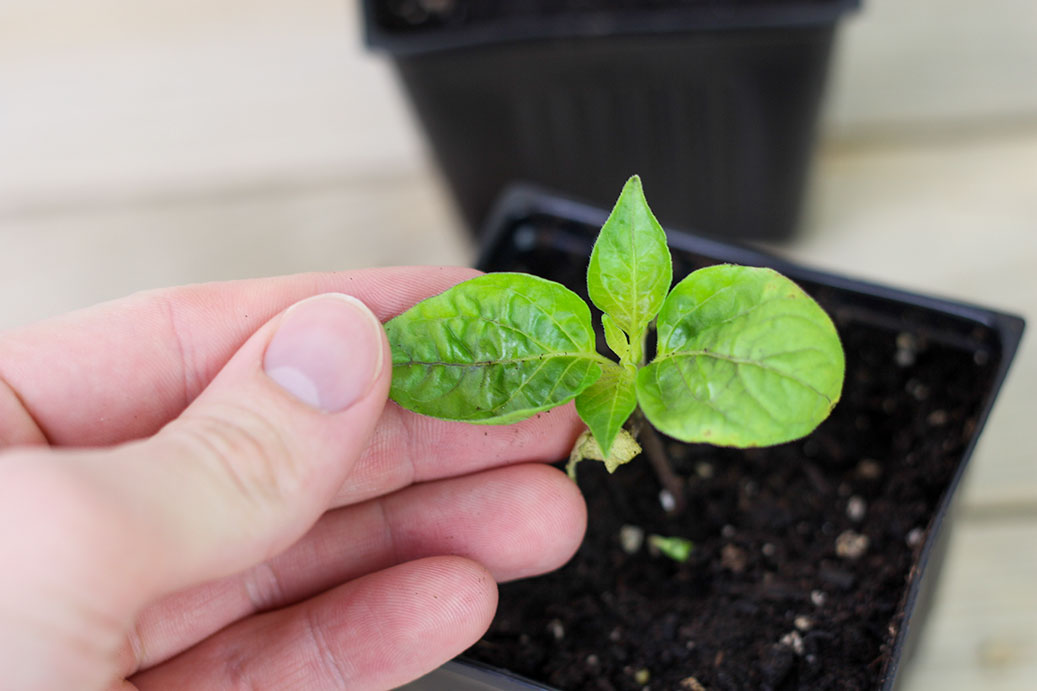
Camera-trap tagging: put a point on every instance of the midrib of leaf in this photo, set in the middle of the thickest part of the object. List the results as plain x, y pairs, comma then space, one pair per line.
613, 395
503, 326
554, 355
635, 321
530, 378
608, 398
519, 389
613, 404
727, 320
740, 362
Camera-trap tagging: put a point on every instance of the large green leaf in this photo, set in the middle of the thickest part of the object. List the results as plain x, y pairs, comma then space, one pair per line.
607, 403
744, 358
630, 268
494, 349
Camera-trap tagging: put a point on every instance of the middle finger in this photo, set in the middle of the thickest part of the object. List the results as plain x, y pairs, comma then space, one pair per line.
516, 521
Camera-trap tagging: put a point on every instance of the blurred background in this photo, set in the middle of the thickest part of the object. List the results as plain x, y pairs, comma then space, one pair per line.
167, 142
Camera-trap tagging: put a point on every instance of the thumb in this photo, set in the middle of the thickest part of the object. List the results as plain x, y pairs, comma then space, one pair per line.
254, 461
245, 470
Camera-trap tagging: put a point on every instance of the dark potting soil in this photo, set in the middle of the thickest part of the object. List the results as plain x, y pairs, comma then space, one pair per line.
802, 552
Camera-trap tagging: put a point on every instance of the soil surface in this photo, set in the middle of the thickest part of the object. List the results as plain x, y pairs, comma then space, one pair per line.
802, 552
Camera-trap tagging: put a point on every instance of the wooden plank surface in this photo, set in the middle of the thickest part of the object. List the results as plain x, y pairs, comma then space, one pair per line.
915, 67
982, 633
76, 256
108, 100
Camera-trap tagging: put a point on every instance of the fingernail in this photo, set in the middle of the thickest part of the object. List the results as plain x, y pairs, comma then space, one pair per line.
326, 352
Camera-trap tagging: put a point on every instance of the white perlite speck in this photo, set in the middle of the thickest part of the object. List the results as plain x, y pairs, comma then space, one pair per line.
793, 640
631, 537
851, 544
556, 629
914, 537
856, 507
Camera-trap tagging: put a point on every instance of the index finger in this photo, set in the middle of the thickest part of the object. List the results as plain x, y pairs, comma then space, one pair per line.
123, 369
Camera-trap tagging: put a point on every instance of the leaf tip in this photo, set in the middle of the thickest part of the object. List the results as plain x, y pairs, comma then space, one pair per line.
633, 186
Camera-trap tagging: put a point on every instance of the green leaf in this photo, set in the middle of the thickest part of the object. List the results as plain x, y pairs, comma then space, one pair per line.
495, 349
744, 358
616, 340
630, 268
676, 548
607, 403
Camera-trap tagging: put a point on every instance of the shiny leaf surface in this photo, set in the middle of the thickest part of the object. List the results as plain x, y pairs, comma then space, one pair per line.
495, 349
744, 358
630, 268
607, 403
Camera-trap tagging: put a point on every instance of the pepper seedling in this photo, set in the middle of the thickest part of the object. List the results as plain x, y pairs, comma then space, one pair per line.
743, 357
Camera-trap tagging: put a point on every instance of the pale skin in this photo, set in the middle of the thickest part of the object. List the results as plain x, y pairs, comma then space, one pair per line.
178, 511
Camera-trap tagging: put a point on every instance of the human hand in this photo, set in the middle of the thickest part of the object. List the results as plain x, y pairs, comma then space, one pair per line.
200, 490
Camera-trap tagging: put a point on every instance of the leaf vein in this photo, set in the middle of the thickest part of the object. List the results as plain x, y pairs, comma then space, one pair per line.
744, 362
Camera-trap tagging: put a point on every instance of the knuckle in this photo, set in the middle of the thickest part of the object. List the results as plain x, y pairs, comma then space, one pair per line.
333, 668
262, 586
238, 662
243, 450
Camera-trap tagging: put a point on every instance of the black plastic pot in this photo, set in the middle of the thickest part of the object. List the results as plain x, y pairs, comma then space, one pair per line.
530, 229
714, 103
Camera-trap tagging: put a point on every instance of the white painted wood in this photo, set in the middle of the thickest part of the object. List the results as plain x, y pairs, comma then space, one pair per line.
918, 65
58, 261
113, 99
982, 634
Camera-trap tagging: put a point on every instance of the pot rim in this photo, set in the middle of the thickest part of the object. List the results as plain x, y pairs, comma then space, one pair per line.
711, 16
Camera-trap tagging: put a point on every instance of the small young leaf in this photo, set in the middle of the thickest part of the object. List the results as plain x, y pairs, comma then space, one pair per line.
744, 358
630, 268
616, 340
607, 403
495, 349
624, 449
676, 548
